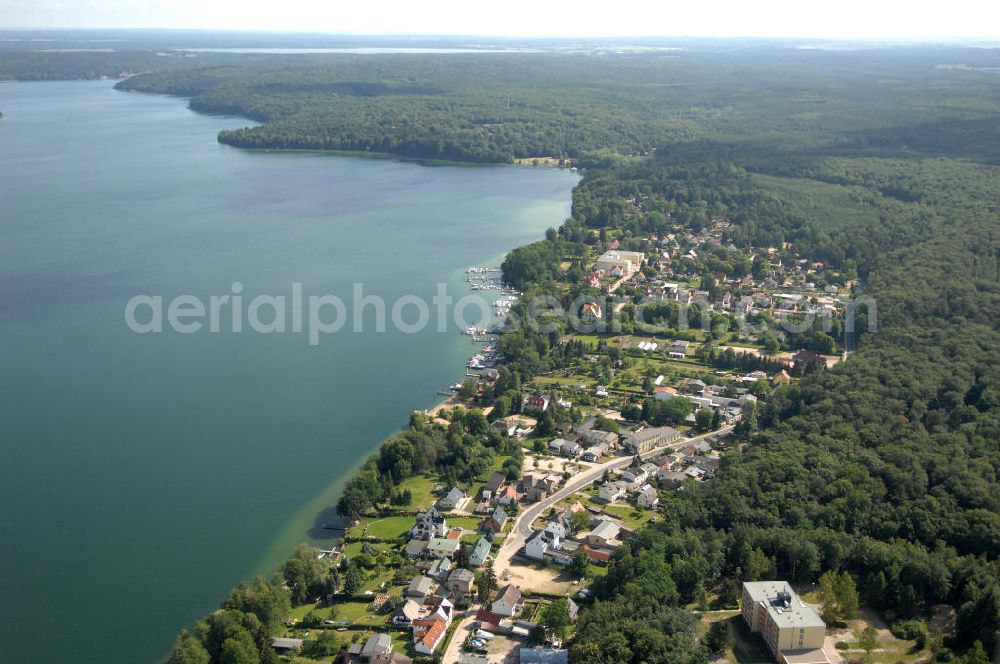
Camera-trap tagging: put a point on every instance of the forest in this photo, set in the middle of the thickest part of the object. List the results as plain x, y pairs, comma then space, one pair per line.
707, 105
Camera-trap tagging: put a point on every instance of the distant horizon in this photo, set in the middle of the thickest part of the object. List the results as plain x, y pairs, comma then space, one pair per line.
849, 20
527, 37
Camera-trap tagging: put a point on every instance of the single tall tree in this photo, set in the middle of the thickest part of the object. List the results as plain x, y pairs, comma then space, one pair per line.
486, 583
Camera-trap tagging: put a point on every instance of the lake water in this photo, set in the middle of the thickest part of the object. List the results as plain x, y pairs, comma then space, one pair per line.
367, 50
142, 475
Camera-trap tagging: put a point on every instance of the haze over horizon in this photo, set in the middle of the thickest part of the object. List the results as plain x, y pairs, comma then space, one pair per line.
852, 19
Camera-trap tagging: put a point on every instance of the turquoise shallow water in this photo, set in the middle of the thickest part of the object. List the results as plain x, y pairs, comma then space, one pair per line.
141, 476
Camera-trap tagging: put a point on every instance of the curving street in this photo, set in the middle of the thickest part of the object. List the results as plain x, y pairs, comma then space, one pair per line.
521, 529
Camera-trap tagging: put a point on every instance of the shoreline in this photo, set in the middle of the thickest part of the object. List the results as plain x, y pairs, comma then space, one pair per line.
518, 162
301, 526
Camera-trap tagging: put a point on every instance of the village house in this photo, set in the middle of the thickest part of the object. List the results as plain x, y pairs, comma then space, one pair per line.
420, 587
554, 530
460, 581
507, 495
538, 487
508, 602
286, 645
409, 611
647, 497
488, 620
698, 447
597, 556
695, 386
566, 516
598, 437
605, 532
428, 634
415, 548
804, 358
537, 547
609, 492
709, 465
678, 349
437, 569
671, 479
429, 631
664, 393
493, 485
566, 448
585, 426
695, 473
480, 552
429, 524
453, 499
595, 452
443, 547
635, 475
639, 475
377, 644
535, 402
495, 522
506, 426
590, 312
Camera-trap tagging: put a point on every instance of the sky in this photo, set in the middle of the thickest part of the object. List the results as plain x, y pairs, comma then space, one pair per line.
840, 19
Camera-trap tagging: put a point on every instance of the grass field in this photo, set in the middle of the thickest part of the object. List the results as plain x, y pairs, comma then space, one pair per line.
352, 612
630, 516
422, 488
466, 522
390, 527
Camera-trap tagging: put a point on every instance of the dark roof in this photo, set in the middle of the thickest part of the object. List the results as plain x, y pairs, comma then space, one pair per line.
496, 481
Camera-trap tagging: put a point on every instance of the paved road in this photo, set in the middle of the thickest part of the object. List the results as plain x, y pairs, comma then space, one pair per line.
461, 633
521, 530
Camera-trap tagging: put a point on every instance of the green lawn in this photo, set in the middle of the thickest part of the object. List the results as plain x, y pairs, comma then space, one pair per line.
591, 339
352, 612
390, 527
374, 582
564, 381
466, 522
358, 613
422, 488
630, 517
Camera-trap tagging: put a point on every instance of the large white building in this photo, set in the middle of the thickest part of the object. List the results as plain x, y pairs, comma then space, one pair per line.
647, 438
626, 261
792, 630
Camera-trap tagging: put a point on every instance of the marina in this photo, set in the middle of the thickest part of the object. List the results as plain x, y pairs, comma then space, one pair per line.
481, 278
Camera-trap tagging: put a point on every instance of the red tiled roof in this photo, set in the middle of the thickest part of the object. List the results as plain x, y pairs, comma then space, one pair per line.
434, 634
594, 554
488, 617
